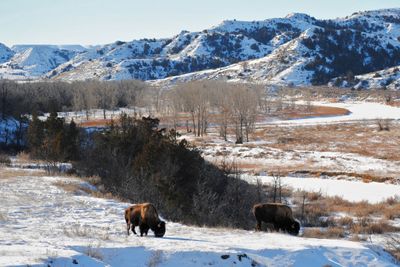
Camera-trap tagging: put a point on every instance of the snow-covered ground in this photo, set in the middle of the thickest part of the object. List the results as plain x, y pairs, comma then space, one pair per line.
263, 158
43, 225
358, 111
350, 190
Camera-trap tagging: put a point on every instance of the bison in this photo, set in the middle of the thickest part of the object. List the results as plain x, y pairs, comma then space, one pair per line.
277, 214
146, 217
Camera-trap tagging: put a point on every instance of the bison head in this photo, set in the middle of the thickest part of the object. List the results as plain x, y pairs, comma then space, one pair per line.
294, 228
159, 231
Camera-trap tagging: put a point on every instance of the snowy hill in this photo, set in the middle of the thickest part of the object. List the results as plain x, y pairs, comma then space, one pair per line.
5, 53
45, 225
382, 79
297, 49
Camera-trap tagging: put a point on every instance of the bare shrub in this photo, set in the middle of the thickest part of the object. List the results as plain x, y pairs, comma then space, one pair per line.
94, 252
383, 125
313, 213
393, 246
392, 212
78, 230
23, 157
313, 196
366, 226
345, 221
5, 160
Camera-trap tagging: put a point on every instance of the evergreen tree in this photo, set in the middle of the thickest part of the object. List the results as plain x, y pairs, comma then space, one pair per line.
71, 142
35, 135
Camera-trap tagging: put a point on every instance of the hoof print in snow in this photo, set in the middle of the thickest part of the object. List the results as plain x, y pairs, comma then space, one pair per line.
240, 256
224, 257
74, 261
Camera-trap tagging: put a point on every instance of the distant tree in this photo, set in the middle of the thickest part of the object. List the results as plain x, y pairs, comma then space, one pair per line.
35, 135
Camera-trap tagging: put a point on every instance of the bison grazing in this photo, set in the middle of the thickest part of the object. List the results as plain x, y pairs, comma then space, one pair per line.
277, 214
146, 217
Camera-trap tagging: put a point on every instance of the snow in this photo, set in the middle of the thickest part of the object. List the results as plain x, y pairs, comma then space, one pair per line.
359, 111
350, 190
283, 61
41, 224
388, 78
5, 53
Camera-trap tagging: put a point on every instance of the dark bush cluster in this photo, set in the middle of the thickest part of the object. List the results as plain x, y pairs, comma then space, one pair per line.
137, 161
340, 53
53, 140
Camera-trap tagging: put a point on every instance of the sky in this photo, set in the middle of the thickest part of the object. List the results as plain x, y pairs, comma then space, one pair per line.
90, 22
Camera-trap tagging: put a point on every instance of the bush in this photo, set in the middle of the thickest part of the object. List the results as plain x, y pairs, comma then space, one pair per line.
142, 164
368, 227
330, 232
4, 159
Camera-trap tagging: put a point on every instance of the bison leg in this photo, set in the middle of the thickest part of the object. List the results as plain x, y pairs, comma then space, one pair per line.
143, 229
128, 225
258, 226
133, 229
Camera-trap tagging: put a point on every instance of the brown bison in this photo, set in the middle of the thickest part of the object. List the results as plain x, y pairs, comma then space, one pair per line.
277, 214
146, 217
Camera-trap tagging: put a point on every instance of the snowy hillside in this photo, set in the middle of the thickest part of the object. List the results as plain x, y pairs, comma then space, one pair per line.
5, 53
297, 49
384, 79
43, 224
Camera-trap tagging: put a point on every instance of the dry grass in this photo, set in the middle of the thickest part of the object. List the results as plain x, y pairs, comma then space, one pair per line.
78, 231
74, 188
368, 227
318, 205
345, 221
5, 160
361, 138
95, 123
314, 111
67, 186
9, 173
330, 232
24, 158
363, 228
86, 231
362, 217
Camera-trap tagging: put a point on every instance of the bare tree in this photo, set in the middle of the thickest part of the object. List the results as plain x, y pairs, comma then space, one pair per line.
244, 110
277, 188
222, 103
195, 99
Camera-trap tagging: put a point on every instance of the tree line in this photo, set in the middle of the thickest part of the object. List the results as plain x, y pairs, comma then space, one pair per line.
18, 99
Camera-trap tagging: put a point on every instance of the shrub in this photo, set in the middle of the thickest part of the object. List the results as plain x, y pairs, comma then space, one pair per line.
393, 247
368, 227
4, 159
140, 163
330, 232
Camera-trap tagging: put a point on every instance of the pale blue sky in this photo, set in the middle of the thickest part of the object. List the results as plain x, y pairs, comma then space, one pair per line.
105, 21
